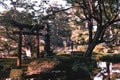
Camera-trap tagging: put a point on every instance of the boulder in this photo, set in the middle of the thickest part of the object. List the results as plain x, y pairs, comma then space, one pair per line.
16, 74
36, 67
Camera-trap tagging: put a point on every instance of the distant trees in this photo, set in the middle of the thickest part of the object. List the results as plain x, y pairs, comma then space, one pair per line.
36, 12
101, 13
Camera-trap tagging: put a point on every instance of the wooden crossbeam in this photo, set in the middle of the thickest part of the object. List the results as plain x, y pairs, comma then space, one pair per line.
25, 26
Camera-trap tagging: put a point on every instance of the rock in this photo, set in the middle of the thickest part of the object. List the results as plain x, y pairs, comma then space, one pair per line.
36, 67
16, 74
105, 50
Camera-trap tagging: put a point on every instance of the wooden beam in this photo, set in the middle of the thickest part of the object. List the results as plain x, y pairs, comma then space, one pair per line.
25, 26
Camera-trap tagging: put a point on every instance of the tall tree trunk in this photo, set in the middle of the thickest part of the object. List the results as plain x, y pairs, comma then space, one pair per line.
47, 41
91, 46
90, 28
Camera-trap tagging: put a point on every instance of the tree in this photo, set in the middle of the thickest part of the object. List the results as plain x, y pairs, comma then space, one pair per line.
103, 13
30, 12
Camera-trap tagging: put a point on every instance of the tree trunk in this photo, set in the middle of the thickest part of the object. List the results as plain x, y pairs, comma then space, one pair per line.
90, 28
47, 41
91, 46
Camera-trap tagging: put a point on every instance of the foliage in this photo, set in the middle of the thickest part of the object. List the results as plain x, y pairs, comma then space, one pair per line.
99, 13
53, 15
114, 58
6, 64
76, 65
7, 61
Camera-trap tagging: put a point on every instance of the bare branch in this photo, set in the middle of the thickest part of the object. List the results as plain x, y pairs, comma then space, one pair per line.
108, 41
54, 12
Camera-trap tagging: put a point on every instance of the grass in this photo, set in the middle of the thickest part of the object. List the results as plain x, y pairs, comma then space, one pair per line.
8, 61
68, 62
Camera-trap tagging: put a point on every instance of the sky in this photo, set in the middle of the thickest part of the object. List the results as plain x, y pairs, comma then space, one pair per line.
52, 2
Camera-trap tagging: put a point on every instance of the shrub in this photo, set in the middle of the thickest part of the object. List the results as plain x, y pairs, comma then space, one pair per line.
115, 58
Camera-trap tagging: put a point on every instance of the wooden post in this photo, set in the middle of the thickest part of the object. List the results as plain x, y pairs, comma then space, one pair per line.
37, 43
19, 49
29, 33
